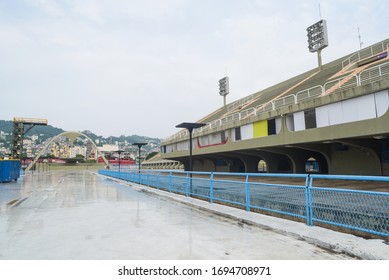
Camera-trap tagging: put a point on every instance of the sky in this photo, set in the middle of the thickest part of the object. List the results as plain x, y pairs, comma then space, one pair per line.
123, 67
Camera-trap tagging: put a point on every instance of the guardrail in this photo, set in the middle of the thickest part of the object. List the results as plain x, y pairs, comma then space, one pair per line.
367, 76
363, 211
370, 51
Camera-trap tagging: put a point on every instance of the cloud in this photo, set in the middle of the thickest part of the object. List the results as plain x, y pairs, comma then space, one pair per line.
89, 9
51, 8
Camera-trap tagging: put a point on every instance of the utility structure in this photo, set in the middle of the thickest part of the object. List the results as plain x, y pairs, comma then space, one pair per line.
20, 127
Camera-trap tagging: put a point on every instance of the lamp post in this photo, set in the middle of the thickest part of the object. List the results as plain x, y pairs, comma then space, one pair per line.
190, 127
119, 152
139, 147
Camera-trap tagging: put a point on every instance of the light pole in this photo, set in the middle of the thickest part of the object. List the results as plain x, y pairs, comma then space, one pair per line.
119, 152
190, 127
139, 147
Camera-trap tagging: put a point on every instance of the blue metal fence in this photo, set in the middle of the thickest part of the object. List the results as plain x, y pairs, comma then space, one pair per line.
358, 210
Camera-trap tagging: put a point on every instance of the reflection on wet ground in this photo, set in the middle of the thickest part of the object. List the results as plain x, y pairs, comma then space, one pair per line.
81, 215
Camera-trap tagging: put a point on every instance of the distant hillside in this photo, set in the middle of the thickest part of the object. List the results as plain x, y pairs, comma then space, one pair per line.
45, 132
48, 131
121, 138
153, 142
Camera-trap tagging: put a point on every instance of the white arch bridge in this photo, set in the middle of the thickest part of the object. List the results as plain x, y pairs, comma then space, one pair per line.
72, 136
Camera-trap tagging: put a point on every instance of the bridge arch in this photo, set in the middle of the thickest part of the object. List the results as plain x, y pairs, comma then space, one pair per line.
72, 136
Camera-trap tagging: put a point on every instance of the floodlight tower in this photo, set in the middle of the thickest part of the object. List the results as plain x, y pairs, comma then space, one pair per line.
19, 131
317, 39
224, 88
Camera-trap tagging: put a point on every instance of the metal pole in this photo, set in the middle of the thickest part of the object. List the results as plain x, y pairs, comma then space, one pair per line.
139, 146
319, 62
190, 161
190, 149
190, 127
119, 161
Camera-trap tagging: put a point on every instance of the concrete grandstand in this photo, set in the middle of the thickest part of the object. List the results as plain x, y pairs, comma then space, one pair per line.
332, 120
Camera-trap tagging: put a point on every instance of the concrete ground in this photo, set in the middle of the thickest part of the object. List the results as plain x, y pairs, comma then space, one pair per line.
81, 215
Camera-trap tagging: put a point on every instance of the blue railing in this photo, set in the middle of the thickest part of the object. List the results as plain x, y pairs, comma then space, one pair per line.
364, 211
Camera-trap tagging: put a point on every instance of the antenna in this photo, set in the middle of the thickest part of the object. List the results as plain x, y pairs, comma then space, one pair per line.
360, 39
320, 11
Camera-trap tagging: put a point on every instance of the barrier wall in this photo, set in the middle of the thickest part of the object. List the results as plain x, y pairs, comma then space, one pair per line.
363, 211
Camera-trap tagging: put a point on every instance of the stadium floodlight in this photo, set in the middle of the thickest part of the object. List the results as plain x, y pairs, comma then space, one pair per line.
317, 38
224, 88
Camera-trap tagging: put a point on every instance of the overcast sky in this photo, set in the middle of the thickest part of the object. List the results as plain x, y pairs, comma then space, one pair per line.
122, 67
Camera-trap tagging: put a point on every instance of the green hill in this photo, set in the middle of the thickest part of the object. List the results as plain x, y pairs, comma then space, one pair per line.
45, 132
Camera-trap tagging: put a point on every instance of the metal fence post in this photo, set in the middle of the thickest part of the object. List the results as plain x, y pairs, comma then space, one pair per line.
170, 181
211, 188
157, 181
247, 194
187, 185
308, 200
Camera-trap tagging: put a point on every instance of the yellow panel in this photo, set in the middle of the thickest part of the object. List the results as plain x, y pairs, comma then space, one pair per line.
260, 129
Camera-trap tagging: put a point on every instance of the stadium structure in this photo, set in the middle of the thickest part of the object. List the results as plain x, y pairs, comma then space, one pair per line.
333, 119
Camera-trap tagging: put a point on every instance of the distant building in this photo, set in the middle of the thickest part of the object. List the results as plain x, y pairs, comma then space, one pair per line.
108, 148
74, 151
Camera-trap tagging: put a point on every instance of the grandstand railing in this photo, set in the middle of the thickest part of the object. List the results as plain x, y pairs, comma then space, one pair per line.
374, 74
363, 211
239, 103
365, 53
309, 93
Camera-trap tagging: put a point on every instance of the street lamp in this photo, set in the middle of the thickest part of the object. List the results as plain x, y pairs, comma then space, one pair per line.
119, 152
139, 147
190, 127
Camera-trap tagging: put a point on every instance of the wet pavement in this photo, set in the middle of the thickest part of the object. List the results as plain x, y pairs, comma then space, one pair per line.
81, 215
